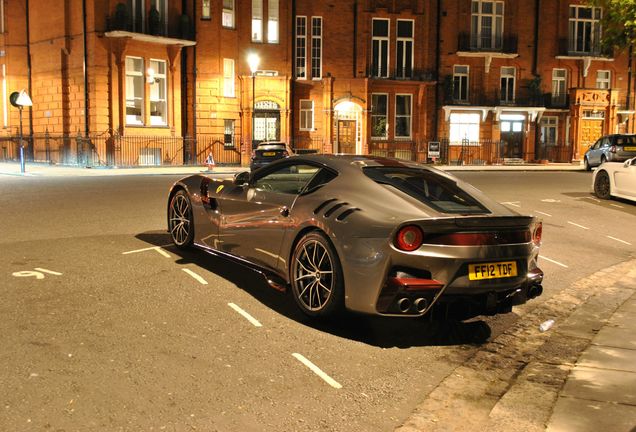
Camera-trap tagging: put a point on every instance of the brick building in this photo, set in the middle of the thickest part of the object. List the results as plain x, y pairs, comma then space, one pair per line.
167, 81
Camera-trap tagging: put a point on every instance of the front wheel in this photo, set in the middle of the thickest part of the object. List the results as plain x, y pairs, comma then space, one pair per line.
586, 165
180, 220
316, 276
602, 187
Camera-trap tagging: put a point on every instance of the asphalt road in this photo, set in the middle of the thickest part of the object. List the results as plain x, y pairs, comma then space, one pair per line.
106, 327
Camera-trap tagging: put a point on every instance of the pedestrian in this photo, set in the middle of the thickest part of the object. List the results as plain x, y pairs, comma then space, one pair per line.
209, 161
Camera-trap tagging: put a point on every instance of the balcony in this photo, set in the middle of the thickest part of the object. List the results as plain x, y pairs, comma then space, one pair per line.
416, 75
506, 45
493, 98
568, 48
556, 101
151, 22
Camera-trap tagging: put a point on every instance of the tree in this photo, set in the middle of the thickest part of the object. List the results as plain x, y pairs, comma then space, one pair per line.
619, 22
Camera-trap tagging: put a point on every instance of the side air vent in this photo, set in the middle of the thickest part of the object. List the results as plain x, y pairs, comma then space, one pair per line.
334, 208
324, 204
345, 214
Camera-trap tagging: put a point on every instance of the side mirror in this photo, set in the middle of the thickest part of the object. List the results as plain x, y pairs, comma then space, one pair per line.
242, 178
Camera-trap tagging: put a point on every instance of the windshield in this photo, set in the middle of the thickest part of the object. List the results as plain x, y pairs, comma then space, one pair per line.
434, 190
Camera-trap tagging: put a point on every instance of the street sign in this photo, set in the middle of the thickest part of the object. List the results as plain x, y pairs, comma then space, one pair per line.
433, 149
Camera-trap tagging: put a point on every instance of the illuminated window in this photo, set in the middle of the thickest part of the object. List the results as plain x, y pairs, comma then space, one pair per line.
134, 91
272, 21
257, 20
158, 93
228, 133
603, 79
306, 115
507, 88
228, 14
205, 9
559, 86
464, 127
228, 77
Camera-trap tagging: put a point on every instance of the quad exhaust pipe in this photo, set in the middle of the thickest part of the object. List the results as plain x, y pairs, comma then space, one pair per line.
419, 305
404, 304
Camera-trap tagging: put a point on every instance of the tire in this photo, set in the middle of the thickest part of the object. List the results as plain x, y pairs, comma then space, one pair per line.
586, 165
602, 187
316, 276
180, 220
603, 159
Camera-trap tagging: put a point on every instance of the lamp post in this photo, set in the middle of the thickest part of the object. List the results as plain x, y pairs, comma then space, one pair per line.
253, 61
20, 100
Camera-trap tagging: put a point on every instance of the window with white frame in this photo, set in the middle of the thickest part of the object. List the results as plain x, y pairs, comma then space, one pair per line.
227, 16
403, 107
559, 86
486, 30
380, 46
549, 130
272, 21
158, 93
205, 9
301, 47
585, 29
603, 79
404, 54
306, 115
507, 87
257, 20
162, 7
228, 133
464, 126
379, 116
137, 14
316, 47
460, 83
134, 91
228, 77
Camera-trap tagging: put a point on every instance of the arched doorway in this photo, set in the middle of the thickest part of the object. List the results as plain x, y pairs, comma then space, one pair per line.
347, 128
266, 121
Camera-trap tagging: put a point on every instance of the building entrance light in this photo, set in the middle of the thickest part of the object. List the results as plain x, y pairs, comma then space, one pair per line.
20, 100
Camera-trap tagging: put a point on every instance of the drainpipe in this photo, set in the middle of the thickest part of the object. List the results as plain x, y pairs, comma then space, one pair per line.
355, 37
437, 64
535, 52
30, 81
292, 85
85, 70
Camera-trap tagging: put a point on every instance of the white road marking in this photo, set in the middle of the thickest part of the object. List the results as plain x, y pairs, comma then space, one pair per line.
155, 248
247, 316
616, 205
594, 199
551, 200
540, 212
553, 261
315, 369
577, 225
34, 274
195, 276
48, 271
512, 203
619, 240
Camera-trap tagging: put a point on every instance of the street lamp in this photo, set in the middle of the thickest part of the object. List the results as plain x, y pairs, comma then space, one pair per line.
20, 100
253, 60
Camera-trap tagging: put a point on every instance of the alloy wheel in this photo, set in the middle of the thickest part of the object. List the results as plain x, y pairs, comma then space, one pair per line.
180, 220
602, 185
313, 275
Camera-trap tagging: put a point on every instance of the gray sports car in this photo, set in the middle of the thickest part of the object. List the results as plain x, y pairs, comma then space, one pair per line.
371, 235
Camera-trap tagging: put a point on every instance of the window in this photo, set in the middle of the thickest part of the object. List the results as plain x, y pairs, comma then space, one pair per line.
228, 133
380, 42
404, 66
228, 14
228, 77
403, 116
134, 91
158, 93
549, 130
301, 47
316, 47
486, 30
559, 87
585, 29
464, 126
603, 79
257, 20
272, 21
379, 114
162, 7
289, 179
460, 83
306, 115
205, 9
137, 13
507, 84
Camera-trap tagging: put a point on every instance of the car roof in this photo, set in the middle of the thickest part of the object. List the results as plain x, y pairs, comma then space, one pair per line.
344, 161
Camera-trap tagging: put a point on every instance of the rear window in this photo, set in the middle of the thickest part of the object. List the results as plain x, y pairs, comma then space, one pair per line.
434, 190
626, 140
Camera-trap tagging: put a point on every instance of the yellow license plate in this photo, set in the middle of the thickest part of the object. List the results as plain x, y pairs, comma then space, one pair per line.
492, 270
630, 148
269, 153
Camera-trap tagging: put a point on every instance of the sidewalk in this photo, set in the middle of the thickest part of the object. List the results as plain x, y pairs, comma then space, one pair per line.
46, 170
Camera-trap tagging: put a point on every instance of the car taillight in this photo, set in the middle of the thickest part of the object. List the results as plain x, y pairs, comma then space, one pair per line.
285, 153
409, 238
538, 232
613, 149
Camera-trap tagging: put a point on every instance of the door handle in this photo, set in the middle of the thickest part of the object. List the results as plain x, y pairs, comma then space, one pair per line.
284, 211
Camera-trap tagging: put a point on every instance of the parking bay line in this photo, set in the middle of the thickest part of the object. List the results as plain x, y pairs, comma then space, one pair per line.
155, 248
545, 214
616, 205
577, 225
48, 271
553, 261
315, 369
613, 238
247, 316
195, 276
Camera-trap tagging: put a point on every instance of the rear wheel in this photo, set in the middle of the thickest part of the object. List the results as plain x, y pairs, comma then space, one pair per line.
603, 159
602, 187
180, 221
316, 276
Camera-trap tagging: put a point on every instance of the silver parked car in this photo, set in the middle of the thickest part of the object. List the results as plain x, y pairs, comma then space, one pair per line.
610, 148
372, 235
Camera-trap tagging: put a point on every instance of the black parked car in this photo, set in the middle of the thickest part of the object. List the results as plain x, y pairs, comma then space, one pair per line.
267, 152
